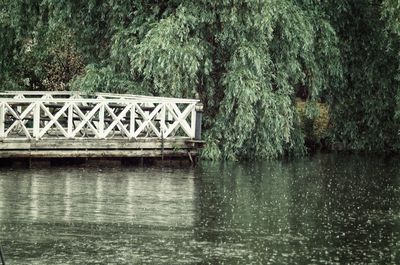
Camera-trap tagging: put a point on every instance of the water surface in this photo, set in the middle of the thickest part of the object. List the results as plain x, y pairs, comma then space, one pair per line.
327, 209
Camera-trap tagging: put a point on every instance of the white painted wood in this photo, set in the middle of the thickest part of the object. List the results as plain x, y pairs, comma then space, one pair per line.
148, 120
101, 121
18, 119
36, 120
86, 120
132, 121
2, 120
70, 120
53, 120
77, 95
117, 120
193, 122
180, 119
69, 115
163, 126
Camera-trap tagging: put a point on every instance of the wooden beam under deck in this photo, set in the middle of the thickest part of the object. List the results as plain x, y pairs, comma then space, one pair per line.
96, 153
57, 148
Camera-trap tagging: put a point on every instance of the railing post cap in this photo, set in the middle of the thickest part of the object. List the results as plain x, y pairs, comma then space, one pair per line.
199, 107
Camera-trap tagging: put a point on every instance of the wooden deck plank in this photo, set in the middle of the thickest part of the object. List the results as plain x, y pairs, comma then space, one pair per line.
94, 153
94, 144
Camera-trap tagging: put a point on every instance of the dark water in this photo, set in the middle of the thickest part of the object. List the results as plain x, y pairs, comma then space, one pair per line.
324, 210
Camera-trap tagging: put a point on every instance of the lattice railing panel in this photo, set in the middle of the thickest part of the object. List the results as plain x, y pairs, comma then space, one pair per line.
36, 116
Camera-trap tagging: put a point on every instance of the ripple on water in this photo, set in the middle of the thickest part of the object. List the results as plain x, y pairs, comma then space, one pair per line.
325, 210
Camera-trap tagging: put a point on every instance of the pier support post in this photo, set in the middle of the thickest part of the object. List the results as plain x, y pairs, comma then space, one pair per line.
39, 163
3, 262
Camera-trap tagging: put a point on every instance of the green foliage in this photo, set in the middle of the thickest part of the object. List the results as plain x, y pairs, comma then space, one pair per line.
168, 57
391, 14
363, 107
247, 60
314, 120
104, 79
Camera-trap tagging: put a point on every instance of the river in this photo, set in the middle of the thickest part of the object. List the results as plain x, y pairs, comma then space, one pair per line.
327, 209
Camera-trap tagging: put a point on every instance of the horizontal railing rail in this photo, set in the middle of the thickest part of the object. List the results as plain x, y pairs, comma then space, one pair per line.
78, 95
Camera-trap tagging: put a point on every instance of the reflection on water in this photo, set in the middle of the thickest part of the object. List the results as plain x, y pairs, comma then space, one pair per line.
324, 210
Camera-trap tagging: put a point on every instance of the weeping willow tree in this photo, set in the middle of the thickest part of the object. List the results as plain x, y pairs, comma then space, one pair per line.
363, 107
247, 60
391, 15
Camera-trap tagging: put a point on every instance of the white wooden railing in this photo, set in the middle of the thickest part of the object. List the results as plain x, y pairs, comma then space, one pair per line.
70, 115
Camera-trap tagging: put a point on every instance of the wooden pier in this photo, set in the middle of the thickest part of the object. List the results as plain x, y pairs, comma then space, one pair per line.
71, 124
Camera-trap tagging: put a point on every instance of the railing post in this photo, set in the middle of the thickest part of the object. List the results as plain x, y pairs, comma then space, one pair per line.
70, 118
199, 114
36, 120
162, 121
132, 121
101, 121
2, 120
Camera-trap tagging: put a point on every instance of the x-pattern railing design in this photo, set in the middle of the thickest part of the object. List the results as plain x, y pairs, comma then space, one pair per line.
42, 115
